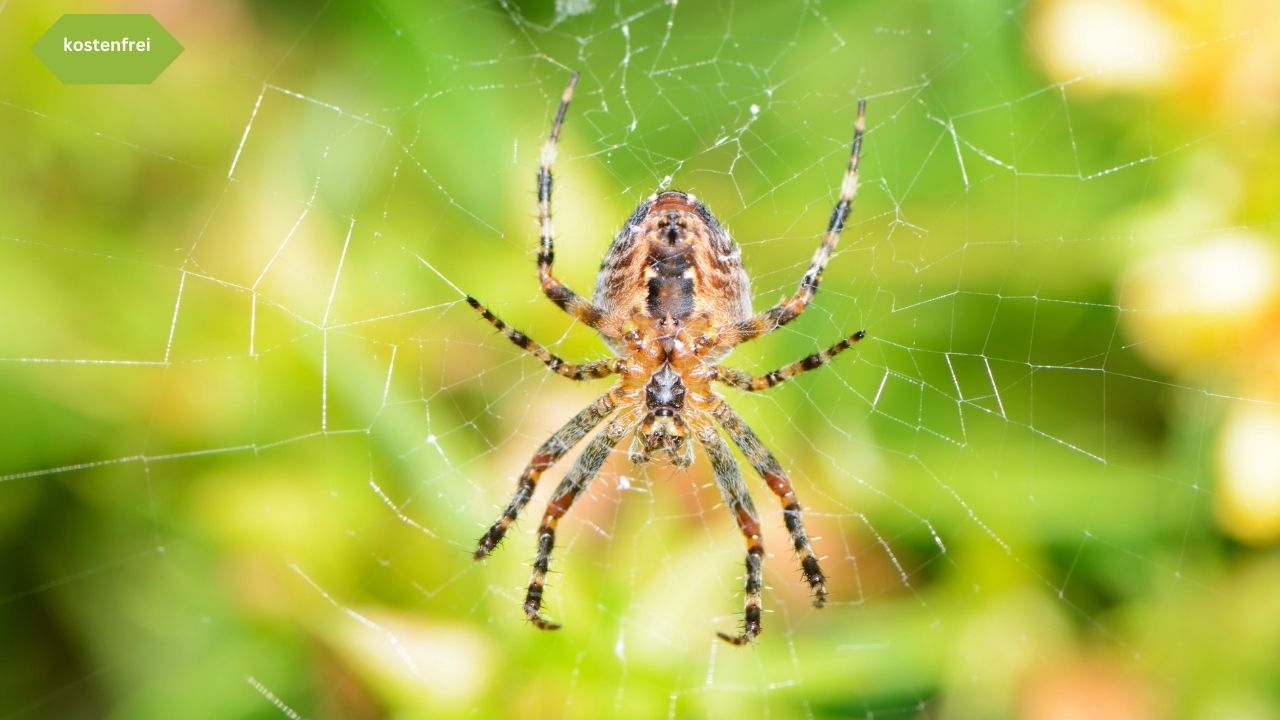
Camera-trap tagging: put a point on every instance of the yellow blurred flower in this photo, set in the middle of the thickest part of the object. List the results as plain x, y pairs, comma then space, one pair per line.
1222, 58
1247, 501
1203, 307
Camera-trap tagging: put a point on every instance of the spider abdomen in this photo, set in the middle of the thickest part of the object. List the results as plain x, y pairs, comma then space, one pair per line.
670, 285
673, 261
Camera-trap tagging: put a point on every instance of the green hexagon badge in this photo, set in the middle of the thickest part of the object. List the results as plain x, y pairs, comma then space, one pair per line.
107, 49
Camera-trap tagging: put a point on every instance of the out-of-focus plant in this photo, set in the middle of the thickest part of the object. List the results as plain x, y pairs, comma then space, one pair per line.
1202, 295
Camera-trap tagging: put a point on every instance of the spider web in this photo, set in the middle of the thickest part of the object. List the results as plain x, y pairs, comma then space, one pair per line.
255, 432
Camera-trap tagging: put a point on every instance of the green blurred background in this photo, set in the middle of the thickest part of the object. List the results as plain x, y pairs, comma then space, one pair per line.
249, 433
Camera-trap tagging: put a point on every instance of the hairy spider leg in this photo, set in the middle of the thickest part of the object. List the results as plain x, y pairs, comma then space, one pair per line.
753, 383
790, 308
583, 371
576, 481
547, 454
771, 470
559, 293
734, 490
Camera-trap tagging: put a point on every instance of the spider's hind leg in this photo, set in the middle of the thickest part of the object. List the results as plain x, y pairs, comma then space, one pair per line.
790, 308
565, 298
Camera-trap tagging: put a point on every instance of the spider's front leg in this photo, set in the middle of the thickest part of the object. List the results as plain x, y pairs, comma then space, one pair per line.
574, 483
771, 470
547, 454
736, 497
790, 308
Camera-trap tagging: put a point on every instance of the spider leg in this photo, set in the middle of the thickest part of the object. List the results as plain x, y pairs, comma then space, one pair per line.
586, 467
752, 383
547, 454
729, 479
771, 470
559, 293
584, 371
790, 308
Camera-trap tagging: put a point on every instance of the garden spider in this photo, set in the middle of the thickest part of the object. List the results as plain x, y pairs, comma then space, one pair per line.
671, 300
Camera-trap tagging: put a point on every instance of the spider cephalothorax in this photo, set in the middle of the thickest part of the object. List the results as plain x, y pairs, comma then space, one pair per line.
663, 429
671, 300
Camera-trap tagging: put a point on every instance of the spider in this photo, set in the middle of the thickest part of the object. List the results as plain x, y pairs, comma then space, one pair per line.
670, 301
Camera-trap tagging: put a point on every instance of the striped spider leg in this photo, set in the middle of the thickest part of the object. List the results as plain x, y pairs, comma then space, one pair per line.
764, 462
585, 311
791, 307
738, 500
546, 455
574, 484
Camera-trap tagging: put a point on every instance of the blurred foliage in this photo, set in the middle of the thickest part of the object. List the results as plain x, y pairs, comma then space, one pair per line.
249, 432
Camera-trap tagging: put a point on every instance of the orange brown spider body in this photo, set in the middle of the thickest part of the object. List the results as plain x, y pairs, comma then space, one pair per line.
671, 300
671, 274
671, 262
